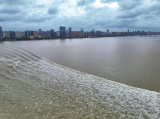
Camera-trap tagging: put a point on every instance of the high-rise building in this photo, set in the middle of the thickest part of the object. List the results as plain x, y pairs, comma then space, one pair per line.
28, 34
98, 33
35, 33
19, 34
41, 33
62, 31
48, 33
40, 30
92, 33
107, 31
57, 33
1, 33
12, 34
52, 33
7, 34
44, 34
80, 33
74, 33
67, 33
4, 34
70, 32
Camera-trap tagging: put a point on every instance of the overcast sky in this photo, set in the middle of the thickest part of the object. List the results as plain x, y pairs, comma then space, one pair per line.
116, 15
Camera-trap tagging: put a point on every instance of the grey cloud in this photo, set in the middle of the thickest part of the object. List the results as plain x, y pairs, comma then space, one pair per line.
108, 1
13, 2
104, 18
41, 6
58, 2
9, 10
131, 14
154, 9
3, 19
85, 2
52, 11
35, 18
139, 10
126, 5
10, 18
149, 17
98, 18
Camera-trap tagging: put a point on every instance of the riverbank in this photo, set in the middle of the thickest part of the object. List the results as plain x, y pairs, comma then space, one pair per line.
55, 38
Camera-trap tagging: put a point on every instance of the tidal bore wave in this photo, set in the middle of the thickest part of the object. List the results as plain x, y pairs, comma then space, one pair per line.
34, 88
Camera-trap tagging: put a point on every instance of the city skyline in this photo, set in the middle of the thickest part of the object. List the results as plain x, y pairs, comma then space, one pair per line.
64, 32
87, 14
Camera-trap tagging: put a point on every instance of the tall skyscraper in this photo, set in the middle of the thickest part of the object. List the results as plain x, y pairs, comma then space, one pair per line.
1, 34
52, 33
41, 33
39, 30
107, 31
70, 32
92, 33
62, 31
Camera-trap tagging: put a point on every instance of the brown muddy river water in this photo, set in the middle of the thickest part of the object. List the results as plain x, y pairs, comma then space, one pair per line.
35, 82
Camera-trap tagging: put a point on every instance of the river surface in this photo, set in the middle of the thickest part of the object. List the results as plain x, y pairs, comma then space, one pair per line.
45, 80
134, 61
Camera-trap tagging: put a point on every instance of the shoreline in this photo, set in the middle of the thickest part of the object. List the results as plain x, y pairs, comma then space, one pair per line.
60, 38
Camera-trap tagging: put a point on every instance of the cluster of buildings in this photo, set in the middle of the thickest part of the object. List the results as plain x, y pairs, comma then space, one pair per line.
132, 33
63, 32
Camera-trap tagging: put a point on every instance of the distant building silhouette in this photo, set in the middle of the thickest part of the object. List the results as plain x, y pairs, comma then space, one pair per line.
19, 34
1, 34
40, 30
41, 33
92, 33
35, 33
70, 32
12, 34
62, 31
128, 32
107, 31
28, 34
67, 33
52, 33
98, 33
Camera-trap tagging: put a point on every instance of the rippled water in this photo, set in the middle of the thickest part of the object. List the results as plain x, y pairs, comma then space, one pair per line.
35, 88
129, 60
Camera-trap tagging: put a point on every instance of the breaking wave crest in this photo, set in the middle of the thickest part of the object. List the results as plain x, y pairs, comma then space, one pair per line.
33, 87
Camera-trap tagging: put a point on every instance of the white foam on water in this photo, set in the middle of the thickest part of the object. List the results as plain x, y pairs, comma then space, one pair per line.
44, 90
